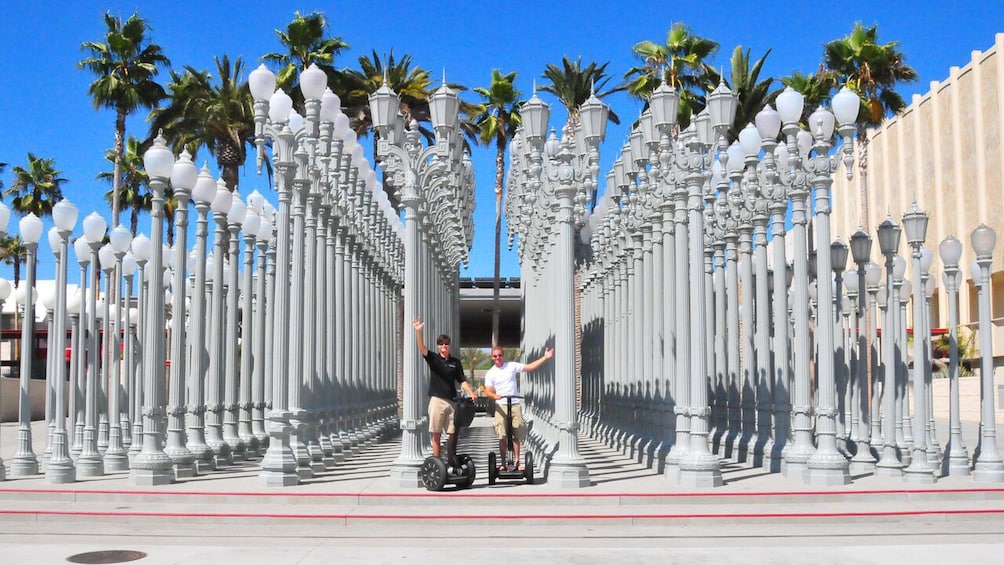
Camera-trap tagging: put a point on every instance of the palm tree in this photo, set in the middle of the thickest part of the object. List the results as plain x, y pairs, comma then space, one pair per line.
680, 62
12, 253
37, 188
498, 120
125, 66
752, 93
217, 115
306, 42
412, 84
133, 179
572, 85
474, 358
873, 71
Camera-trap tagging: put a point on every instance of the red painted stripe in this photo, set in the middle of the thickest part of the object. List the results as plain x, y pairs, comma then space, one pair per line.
507, 517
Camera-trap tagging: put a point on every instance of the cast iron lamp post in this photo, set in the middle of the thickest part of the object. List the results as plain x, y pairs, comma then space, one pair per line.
151, 466
919, 472
410, 169
956, 460
60, 468
827, 466
25, 462
863, 460
889, 463
184, 176
116, 458
988, 468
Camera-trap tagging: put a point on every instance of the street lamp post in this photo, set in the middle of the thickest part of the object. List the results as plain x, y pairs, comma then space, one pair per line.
919, 472
827, 466
116, 458
60, 468
89, 462
988, 468
956, 460
152, 466
25, 462
863, 460
889, 463
271, 110
410, 168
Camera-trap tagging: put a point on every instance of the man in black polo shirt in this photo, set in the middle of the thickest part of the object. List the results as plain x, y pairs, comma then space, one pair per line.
446, 372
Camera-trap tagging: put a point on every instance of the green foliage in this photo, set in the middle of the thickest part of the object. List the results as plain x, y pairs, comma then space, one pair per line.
306, 42
217, 115
36, 188
572, 84
680, 62
870, 69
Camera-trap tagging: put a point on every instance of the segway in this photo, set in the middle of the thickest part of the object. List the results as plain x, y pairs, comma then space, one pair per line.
510, 469
457, 469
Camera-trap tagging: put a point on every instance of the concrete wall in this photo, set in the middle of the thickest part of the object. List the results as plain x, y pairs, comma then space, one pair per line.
9, 394
945, 152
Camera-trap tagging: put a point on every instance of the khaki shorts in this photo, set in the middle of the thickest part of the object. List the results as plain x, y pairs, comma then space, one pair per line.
518, 428
440, 415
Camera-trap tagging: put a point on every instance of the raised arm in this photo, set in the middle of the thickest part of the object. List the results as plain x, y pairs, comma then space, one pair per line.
418, 325
530, 367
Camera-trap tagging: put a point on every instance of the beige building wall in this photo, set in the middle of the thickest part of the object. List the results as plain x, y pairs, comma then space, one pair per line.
944, 152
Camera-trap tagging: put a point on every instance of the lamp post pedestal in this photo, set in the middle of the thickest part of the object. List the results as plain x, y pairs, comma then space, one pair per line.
568, 469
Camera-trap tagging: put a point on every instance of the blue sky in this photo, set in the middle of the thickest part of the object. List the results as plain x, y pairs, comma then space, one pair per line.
47, 110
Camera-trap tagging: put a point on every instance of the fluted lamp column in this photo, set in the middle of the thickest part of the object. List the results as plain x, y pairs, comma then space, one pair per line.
919, 472
889, 463
956, 460
152, 466
989, 468
25, 462
60, 469
116, 458
862, 460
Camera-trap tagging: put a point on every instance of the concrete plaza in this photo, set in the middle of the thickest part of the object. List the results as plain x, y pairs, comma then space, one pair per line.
351, 512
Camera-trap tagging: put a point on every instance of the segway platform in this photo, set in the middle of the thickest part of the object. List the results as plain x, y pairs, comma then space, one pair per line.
457, 470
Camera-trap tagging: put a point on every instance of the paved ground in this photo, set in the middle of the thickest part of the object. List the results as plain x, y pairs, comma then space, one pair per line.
351, 512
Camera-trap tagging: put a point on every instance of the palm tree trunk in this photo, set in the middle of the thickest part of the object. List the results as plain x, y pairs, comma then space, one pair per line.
499, 178
120, 126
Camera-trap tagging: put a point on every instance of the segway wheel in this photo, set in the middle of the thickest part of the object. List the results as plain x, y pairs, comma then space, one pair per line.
528, 468
493, 469
470, 472
434, 473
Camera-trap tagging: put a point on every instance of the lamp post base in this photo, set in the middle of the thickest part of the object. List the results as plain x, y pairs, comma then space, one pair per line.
406, 475
989, 472
570, 474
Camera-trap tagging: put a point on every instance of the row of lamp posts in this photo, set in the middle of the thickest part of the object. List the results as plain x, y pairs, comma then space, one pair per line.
210, 366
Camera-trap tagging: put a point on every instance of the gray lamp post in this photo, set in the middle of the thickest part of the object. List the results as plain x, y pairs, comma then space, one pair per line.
988, 468
89, 463
250, 226
60, 468
889, 463
217, 328
115, 456
863, 460
827, 466
141, 250
406, 164
873, 277
24, 461
152, 466
83, 252
184, 176
271, 109
956, 460
231, 372
919, 472
202, 193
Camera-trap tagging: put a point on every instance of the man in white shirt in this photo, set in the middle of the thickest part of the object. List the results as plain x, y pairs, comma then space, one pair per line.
500, 382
